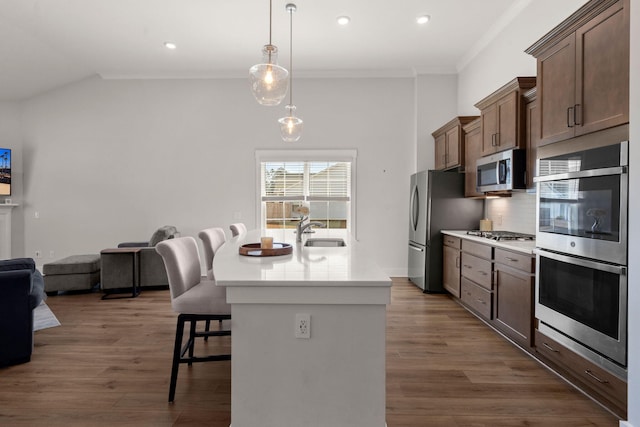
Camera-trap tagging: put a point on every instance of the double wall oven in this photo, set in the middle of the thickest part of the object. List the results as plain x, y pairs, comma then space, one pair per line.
581, 280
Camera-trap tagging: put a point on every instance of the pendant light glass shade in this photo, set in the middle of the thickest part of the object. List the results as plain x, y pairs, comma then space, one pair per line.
269, 82
291, 126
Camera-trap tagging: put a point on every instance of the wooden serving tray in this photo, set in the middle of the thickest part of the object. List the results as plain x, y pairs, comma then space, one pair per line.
254, 249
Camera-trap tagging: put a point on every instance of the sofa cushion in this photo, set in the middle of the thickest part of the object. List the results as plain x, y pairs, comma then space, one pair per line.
75, 264
17, 264
162, 233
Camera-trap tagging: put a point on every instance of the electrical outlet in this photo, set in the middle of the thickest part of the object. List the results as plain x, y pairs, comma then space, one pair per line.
38, 254
303, 325
51, 254
499, 220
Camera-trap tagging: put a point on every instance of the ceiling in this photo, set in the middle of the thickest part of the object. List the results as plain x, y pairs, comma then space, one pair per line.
48, 43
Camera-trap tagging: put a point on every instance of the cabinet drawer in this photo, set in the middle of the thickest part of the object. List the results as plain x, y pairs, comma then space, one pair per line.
514, 260
597, 380
476, 269
452, 241
476, 297
477, 249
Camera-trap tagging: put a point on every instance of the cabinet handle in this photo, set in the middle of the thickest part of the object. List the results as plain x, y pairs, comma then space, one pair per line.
577, 119
570, 113
481, 301
457, 262
588, 372
549, 347
483, 273
466, 266
510, 259
498, 139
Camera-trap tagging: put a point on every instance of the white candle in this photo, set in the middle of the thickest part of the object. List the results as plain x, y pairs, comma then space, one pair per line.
266, 242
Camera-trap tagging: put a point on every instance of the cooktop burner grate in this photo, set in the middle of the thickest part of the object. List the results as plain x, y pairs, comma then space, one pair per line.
501, 235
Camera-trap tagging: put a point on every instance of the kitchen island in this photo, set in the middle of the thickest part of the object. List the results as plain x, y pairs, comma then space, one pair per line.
334, 378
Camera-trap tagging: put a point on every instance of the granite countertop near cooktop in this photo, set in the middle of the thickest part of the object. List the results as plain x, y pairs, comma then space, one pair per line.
526, 247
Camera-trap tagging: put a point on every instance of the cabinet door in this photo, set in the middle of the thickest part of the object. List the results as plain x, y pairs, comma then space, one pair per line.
489, 129
507, 135
602, 72
441, 152
472, 152
452, 155
532, 136
513, 308
556, 91
451, 270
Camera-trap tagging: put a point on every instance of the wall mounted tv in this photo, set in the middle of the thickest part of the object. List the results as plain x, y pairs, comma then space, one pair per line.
5, 172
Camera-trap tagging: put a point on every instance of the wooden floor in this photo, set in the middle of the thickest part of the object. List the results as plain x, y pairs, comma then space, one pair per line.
108, 365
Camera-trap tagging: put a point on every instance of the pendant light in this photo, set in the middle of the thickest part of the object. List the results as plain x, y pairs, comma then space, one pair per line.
268, 79
291, 126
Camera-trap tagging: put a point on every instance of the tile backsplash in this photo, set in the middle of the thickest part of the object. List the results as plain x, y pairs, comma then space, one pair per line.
516, 213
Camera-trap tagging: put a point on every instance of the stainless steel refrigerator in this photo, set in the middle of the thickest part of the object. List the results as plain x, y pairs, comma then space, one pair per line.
437, 203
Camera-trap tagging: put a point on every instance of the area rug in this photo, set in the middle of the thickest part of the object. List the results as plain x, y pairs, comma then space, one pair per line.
44, 318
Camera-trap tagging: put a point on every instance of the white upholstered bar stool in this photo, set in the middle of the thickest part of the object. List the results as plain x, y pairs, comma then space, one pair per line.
212, 239
237, 229
194, 298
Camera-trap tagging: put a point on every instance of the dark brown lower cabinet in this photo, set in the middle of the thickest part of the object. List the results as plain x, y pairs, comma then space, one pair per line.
598, 383
514, 281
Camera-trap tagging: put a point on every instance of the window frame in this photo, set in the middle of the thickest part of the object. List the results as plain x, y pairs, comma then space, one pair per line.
348, 155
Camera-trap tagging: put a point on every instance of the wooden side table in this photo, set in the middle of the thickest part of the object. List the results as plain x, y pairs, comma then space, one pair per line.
135, 253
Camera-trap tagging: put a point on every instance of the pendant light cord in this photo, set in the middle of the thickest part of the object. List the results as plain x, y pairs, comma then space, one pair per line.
270, 18
291, 10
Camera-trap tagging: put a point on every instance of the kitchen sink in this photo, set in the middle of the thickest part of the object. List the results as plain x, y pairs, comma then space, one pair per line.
325, 242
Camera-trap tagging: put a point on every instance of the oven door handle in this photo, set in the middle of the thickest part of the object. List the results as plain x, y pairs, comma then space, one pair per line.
616, 170
615, 269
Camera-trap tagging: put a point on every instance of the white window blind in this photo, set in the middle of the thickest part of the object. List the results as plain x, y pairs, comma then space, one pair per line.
306, 181
323, 187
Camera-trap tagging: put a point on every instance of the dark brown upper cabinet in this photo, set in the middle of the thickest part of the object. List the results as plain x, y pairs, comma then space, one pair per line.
583, 72
449, 143
502, 116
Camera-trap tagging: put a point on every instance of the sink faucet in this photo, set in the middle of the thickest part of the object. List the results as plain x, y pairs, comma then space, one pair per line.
300, 228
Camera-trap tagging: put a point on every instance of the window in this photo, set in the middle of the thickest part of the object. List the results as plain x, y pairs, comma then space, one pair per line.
292, 189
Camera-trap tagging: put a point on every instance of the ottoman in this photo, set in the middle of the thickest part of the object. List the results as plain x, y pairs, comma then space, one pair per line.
73, 273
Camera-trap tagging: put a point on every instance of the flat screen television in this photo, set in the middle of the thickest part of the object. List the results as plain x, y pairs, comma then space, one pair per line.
5, 172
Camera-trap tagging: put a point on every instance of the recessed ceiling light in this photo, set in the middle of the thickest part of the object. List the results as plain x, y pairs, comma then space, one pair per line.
170, 45
423, 19
343, 20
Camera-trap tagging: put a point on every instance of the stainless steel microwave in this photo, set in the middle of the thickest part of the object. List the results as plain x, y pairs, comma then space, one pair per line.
501, 171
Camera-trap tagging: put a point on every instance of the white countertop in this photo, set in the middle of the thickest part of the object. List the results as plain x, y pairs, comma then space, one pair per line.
306, 266
526, 247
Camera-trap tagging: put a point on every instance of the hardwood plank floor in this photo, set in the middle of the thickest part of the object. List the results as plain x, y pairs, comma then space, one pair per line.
109, 362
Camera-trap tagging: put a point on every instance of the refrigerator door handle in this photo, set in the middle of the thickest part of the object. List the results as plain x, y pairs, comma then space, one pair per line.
415, 208
415, 248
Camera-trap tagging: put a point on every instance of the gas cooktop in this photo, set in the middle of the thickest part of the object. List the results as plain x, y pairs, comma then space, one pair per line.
501, 235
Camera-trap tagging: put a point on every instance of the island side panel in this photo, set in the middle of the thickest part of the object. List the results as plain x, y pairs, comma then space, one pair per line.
335, 378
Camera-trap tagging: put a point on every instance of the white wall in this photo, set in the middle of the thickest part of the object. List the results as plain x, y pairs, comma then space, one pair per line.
633, 390
110, 161
10, 137
436, 105
504, 58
